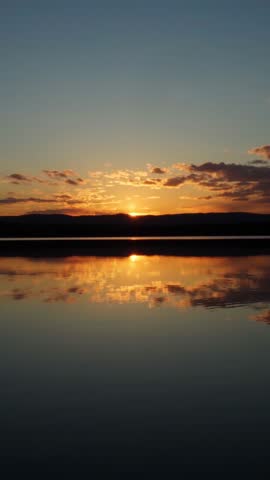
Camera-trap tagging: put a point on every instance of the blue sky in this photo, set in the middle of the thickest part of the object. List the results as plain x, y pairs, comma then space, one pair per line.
85, 84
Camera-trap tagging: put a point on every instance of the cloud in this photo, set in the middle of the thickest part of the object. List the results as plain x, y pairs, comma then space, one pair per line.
175, 289
63, 196
208, 197
180, 166
74, 181
217, 183
151, 182
73, 211
258, 162
85, 202
55, 178
127, 177
263, 150
60, 173
13, 200
47, 177
232, 172
159, 171
19, 178
236, 181
68, 176
175, 181
56, 199
96, 174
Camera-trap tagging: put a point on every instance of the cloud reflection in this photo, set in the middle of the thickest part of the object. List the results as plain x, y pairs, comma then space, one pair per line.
177, 282
264, 317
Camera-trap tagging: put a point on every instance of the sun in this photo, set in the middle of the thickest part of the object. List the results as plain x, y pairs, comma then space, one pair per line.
134, 214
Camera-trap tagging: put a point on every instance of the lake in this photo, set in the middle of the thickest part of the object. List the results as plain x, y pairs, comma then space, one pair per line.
135, 363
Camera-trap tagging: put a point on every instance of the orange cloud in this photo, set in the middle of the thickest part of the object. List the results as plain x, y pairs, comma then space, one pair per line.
209, 186
263, 150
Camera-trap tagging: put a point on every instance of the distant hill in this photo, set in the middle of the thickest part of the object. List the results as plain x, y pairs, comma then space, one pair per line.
234, 223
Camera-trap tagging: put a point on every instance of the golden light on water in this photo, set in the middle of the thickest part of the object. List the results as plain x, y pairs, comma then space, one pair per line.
177, 282
133, 258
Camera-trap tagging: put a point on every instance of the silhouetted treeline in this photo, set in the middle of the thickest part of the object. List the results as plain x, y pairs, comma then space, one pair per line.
123, 225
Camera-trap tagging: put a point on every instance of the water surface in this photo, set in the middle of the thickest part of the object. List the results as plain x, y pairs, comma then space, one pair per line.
135, 362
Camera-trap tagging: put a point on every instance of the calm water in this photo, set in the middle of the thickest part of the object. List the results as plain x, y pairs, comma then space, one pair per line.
135, 363
164, 237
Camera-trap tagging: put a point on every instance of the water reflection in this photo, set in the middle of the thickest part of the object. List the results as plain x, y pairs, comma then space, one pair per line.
135, 360
157, 281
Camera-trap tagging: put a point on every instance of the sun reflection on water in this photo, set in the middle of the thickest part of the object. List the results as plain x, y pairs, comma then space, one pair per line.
157, 281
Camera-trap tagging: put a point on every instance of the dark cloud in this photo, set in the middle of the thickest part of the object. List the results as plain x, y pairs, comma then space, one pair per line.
157, 301
56, 177
73, 211
77, 290
74, 181
234, 181
232, 172
68, 176
56, 199
175, 289
159, 171
19, 178
258, 162
175, 181
208, 197
60, 173
66, 295
151, 181
13, 200
20, 294
63, 196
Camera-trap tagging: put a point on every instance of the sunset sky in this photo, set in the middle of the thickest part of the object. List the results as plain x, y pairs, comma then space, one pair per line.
140, 107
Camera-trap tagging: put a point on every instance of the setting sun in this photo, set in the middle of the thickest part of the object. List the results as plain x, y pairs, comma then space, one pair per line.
133, 214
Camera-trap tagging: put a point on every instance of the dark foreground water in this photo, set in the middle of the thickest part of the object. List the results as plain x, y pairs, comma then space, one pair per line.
140, 364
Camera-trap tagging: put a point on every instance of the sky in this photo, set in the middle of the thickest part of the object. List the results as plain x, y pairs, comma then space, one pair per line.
145, 107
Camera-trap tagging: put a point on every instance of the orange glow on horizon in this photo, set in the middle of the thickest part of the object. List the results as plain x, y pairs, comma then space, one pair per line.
135, 214
134, 258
